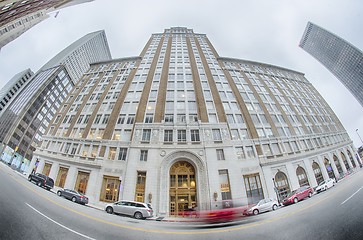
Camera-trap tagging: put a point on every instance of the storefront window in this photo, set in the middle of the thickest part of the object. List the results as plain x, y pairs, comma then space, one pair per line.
81, 182
110, 189
253, 187
301, 175
61, 177
46, 169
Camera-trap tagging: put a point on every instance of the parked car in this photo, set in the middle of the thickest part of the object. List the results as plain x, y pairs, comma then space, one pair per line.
73, 195
41, 180
324, 185
137, 210
298, 194
263, 205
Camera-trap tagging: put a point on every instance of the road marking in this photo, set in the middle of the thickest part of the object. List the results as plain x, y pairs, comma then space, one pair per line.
250, 225
85, 236
351, 196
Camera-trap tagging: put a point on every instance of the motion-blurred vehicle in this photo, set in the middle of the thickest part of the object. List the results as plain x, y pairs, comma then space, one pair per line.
297, 195
263, 205
41, 180
227, 212
73, 195
137, 210
324, 185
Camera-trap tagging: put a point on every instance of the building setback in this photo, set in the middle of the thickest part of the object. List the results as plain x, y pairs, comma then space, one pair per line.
340, 57
180, 126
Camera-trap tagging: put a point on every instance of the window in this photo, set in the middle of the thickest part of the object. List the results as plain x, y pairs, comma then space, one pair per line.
105, 119
217, 135
98, 118
240, 153
168, 135
194, 134
267, 149
224, 184
169, 118
112, 153
110, 189
81, 182
146, 135
61, 177
181, 118
250, 152
121, 119
143, 155
130, 119
122, 154
148, 118
220, 155
253, 186
182, 135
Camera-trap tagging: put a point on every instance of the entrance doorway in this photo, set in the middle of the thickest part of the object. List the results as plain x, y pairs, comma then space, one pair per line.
182, 189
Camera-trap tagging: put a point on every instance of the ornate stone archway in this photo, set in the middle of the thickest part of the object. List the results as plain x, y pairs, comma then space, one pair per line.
201, 179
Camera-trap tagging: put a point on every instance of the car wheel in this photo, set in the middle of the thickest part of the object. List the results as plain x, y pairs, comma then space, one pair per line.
296, 200
39, 184
274, 207
29, 178
59, 193
109, 210
74, 199
310, 194
138, 215
255, 212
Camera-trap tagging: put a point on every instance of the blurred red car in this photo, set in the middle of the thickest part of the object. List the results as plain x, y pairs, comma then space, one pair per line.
298, 194
227, 213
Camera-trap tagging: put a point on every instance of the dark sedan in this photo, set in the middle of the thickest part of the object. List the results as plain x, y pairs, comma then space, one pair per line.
73, 195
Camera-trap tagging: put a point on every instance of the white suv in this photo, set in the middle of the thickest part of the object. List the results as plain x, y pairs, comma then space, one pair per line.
137, 210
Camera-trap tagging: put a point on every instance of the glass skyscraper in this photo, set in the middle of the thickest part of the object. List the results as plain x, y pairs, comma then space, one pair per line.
341, 58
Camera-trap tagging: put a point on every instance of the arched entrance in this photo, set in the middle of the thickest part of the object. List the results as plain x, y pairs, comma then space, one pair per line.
282, 185
182, 188
317, 172
302, 177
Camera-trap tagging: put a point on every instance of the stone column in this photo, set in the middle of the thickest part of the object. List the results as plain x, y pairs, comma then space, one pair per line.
323, 169
294, 182
54, 170
310, 173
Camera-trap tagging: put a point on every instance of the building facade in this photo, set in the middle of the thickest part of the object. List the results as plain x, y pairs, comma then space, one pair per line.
180, 126
18, 16
12, 88
340, 57
27, 116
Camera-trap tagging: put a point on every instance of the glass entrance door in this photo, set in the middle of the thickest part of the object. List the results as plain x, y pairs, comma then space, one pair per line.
182, 188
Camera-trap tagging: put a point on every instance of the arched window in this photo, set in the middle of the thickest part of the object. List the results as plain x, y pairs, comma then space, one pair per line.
329, 168
301, 175
282, 185
317, 172
337, 164
351, 159
345, 161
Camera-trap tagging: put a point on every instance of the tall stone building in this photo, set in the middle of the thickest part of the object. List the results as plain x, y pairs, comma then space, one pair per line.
180, 126
340, 57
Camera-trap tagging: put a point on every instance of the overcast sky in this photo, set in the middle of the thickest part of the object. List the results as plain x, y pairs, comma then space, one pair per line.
266, 31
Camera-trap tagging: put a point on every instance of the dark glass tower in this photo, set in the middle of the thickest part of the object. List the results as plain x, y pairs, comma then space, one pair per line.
341, 58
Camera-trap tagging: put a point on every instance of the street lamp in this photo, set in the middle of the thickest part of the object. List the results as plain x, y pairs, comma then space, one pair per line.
359, 136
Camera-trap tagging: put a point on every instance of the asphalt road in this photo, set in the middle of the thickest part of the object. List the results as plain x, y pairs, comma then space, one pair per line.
29, 212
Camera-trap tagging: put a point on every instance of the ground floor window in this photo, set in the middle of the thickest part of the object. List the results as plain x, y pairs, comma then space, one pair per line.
224, 184
345, 161
81, 182
318, 175
337, 164
110, 189
61, 177
302, 177
282, 185
46, 169
253, 187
